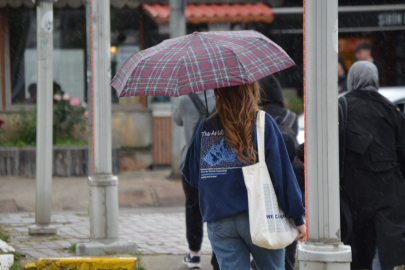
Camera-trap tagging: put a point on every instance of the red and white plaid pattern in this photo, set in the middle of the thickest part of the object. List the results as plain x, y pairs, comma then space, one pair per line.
198, 62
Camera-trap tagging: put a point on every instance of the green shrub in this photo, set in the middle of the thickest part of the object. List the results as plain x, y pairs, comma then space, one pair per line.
68, 115
65, 118
26, 125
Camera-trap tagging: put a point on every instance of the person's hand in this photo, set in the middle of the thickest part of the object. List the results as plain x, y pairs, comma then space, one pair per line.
303, 233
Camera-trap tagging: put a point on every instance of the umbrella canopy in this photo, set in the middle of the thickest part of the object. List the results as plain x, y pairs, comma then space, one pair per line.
198, 62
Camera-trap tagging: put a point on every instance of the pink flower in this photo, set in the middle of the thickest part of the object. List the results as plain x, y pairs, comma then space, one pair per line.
86, 113
74, 102
57, 97
66, 96
84, 105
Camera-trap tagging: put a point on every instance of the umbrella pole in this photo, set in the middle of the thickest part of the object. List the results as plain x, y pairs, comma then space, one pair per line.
206, 103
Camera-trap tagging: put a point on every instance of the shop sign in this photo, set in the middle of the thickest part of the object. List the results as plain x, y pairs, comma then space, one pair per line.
347, 20
371, 19
391, 19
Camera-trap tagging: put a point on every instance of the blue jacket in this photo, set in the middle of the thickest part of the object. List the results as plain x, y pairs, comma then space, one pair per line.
213, 168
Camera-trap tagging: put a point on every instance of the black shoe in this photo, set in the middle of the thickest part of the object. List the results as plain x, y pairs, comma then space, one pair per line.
192, 263
253, 265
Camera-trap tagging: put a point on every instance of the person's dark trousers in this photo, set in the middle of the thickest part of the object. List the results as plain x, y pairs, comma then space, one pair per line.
290, 252
214, 262
194, 223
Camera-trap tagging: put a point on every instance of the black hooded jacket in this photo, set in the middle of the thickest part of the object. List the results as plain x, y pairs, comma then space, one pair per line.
372, 147
272, 101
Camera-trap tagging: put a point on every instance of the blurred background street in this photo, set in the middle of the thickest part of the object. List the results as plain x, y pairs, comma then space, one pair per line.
141, 145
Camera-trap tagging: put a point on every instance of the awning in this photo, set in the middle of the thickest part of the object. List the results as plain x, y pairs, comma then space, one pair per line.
68, 3
212, 13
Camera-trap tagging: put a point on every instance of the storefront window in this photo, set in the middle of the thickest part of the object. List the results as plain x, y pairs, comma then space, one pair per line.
69, 54
125, 40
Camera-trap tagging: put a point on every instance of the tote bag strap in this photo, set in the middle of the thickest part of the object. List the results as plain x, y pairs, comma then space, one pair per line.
260, 135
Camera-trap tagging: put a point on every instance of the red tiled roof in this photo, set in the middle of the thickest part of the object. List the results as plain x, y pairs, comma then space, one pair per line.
212, 13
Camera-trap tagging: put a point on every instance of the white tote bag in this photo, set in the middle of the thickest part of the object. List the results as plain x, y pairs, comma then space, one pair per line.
269, 227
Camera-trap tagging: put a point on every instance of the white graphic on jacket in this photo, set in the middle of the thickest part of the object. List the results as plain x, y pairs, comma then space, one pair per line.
216, 155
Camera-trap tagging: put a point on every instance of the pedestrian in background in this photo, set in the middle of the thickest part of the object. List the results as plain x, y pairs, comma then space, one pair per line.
342, 76
272, 102
363, 52
372, 153
223, 144
189, 114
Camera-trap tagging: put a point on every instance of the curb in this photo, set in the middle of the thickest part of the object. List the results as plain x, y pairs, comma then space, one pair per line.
84, 263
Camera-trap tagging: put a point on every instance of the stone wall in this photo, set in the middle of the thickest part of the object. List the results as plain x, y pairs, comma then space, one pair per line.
67, 161
131, 132
130, 127
133, 159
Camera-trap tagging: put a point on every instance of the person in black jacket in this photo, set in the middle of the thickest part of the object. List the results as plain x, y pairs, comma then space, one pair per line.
272, 102
372, 172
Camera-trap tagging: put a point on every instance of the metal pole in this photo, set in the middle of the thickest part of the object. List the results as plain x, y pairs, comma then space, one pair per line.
44, 120
177, 29
103, 186
324, 249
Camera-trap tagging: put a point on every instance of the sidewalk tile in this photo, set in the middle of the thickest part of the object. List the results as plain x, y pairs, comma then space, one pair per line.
50, 253
62, 243
51, 245
146, 230
33, 253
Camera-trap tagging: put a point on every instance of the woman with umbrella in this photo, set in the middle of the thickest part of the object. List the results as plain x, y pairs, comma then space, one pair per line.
224, 144
231, 63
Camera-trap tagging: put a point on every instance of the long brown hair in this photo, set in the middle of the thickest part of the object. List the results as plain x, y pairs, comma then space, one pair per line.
237, 107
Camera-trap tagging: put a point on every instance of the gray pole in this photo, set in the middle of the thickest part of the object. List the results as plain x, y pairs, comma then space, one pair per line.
177, 29
324, 249
44, 120
103, 186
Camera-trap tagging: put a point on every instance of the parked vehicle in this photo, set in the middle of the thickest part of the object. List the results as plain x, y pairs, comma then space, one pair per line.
396, 95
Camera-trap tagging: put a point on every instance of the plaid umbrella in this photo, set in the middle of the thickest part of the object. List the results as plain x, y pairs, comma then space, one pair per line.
198, 62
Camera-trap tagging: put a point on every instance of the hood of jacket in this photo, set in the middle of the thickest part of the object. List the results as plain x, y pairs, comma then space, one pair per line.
363, 75
271, 91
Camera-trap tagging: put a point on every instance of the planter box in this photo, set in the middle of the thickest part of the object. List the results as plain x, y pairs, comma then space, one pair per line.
67, 161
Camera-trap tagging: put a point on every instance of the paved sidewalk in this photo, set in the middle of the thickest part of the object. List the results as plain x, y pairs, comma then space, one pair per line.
136, 189
154, 233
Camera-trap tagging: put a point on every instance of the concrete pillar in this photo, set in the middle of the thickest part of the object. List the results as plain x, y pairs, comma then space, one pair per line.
44, 120
324, 249
177, 29
103, 186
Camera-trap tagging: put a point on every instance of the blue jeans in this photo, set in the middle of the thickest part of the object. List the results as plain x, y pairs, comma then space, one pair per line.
376, 261
231, 242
